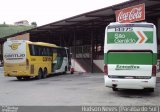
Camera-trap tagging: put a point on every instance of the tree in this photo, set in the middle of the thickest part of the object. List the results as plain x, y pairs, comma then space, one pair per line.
34, 24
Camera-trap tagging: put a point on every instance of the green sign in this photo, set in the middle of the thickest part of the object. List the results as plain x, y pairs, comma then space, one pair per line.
130, 37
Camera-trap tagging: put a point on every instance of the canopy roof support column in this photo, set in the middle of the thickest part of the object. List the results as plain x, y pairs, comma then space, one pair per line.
92, 51
74, 44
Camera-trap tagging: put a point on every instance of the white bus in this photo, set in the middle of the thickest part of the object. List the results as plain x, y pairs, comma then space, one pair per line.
130, 56
25, 59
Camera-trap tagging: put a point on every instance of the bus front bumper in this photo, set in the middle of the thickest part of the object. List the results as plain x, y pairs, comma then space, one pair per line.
130, 83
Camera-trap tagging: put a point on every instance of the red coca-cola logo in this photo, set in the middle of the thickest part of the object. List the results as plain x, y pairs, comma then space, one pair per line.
135, 13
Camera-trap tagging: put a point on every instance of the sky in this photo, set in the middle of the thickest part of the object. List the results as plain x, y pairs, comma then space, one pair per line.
47, 11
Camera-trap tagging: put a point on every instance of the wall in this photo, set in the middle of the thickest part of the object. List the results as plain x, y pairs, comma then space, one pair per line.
77, 67
99, 63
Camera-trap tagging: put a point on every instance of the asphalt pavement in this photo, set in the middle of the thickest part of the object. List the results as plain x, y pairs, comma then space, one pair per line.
71, 90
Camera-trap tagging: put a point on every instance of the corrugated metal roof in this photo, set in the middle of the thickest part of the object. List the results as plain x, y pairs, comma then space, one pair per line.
94, 19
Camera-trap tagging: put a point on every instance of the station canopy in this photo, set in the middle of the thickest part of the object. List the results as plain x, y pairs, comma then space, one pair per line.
94, 19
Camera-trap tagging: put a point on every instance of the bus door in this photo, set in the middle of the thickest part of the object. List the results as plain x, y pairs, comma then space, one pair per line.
60, 58
69, 58
54, 60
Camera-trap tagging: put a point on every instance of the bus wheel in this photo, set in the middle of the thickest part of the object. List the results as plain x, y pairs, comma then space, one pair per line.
39, 74
45, 73
19, 78
26, 78
151, 90
115, 89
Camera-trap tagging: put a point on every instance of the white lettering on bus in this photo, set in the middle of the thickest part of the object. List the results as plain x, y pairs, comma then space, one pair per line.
121, 38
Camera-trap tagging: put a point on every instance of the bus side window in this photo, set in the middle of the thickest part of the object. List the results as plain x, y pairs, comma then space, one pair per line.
32, 49
50, 51
59, 52
64, 53
36, 50
54, 50
39, 51
44, 53
47, 51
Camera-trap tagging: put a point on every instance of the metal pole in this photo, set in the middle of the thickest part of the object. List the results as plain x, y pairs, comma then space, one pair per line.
74, 43
158, 40
92, 51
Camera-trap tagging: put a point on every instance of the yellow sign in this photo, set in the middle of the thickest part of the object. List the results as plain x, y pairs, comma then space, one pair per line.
14, 46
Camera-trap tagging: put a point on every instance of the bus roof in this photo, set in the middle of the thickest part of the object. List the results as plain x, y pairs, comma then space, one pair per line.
140, 24
42, 44
37, 43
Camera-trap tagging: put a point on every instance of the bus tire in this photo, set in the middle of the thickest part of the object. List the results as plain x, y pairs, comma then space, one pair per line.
151, 90
26, 78
19, 78
40, 73
45, 73
115, 89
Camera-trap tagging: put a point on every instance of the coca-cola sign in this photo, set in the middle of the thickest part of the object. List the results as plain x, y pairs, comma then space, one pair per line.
131, 14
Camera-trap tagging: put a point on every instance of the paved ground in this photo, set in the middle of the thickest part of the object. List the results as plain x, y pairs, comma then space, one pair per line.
77, 89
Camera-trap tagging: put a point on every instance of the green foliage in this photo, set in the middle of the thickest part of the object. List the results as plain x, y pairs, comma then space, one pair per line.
6, 30
34, 24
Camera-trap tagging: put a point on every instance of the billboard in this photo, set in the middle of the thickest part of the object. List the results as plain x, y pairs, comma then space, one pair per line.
131, 14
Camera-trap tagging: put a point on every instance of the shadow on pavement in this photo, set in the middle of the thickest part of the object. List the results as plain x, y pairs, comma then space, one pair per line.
130, 93
35, 79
